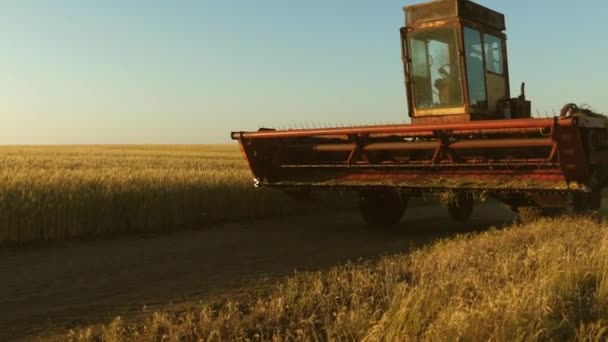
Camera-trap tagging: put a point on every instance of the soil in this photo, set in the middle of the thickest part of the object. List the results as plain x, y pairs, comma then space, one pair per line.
55, 287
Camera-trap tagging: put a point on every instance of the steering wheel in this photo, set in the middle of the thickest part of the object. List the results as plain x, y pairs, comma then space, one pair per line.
445, 71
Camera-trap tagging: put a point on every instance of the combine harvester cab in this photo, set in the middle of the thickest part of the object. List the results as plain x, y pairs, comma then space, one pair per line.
468, 136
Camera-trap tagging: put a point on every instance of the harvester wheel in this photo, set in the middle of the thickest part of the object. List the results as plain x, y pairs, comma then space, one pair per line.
461, 207
382, 207
595, 200
299, 195
530, 214
586, 202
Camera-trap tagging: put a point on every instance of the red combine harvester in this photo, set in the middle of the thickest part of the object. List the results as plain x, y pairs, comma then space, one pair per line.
468, 137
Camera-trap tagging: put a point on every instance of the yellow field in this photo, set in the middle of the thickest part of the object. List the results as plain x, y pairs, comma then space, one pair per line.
544, 281
66, 191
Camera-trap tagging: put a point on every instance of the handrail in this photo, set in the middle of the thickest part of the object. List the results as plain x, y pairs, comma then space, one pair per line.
396, 129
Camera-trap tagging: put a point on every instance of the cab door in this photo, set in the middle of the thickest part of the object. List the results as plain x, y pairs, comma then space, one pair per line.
496, 80
475, 71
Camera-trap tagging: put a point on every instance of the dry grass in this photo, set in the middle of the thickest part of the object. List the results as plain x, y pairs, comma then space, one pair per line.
544, 281
61, 192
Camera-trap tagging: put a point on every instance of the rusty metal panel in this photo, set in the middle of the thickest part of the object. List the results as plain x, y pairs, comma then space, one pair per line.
430, 11
572, 154
437, 10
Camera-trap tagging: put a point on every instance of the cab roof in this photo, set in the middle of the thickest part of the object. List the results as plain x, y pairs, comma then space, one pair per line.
443, 9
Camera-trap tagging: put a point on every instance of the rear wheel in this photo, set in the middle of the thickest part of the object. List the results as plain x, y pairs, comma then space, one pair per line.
586, 202
299, 195
461, 207
382, 207
595, 200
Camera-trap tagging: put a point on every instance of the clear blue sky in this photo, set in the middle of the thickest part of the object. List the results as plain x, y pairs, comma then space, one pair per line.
155, 71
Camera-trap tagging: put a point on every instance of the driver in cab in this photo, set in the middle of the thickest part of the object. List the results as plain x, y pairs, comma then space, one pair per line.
446, 85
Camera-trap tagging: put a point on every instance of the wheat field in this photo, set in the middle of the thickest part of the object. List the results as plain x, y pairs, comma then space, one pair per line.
544, 281
59, 192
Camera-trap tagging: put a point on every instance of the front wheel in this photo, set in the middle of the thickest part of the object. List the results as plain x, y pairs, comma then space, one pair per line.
382, 207
586, 202
461, 207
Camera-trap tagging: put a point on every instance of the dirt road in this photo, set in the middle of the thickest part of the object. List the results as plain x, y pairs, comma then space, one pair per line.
87, 281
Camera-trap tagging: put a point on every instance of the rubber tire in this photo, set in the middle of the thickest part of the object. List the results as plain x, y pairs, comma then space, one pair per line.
584, 202
595, 200
299, 196
382, 208
461, 208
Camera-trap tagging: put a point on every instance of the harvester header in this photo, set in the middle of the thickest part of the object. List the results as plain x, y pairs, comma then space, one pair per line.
468, 135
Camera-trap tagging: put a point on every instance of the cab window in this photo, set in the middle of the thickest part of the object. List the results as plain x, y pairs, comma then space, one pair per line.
435, 68
475, 72
493, 51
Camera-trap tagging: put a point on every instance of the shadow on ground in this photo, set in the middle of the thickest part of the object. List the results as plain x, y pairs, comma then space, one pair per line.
84, 282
